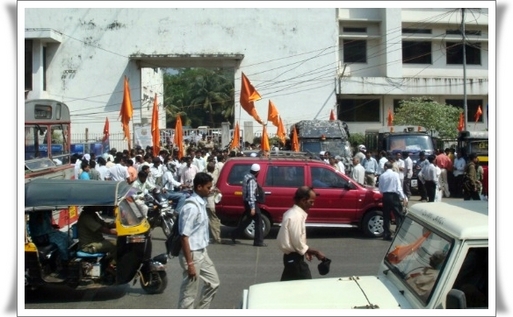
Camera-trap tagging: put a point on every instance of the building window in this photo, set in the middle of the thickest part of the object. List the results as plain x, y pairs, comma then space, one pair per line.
349, 29
359, 110
416, 31
455, 53
467, 32
28, 65
416, 52
355, 51
472, 106
44, 68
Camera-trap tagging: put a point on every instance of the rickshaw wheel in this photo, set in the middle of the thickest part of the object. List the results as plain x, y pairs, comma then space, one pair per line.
156, 282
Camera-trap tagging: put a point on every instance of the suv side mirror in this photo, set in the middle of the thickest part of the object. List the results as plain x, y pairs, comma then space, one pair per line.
455, 299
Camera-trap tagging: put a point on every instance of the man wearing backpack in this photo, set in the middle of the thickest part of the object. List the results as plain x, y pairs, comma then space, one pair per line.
250, 195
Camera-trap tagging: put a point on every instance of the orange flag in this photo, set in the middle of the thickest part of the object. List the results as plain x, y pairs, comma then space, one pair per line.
332, 115
126, 112
236, 137
106, 130
390, 118
478, 114
294, 141
155, 131
461, 123
178, 139
273, 115
281, 131
402, 251
248, 94
264, 146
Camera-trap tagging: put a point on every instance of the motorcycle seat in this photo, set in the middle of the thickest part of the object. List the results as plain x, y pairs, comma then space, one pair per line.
82, 254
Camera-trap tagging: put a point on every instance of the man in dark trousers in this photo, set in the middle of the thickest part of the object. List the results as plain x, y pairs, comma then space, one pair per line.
420, 164
390, 187
470, 188
292, 237
250, 195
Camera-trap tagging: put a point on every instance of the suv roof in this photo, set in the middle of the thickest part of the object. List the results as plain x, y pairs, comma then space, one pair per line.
462, 219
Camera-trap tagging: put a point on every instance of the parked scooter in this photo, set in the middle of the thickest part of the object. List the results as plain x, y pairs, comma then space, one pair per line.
84, 270
160, 211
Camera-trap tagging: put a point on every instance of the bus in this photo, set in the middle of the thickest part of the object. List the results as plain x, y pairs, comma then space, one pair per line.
47, 146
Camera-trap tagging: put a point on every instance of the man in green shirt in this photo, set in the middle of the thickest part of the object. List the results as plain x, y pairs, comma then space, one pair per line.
91, 228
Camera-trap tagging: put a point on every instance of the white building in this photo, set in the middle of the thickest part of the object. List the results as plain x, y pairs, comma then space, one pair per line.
359, 62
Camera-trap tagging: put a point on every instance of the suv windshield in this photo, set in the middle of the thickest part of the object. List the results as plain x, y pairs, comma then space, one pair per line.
417, 256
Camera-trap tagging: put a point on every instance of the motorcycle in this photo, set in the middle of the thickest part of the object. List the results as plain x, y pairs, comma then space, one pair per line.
160, 211
83, 270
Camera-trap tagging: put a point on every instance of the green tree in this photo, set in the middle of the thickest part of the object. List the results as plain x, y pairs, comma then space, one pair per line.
201, 96
441, 119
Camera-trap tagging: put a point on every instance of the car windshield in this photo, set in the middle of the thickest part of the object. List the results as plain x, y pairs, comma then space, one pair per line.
418, 256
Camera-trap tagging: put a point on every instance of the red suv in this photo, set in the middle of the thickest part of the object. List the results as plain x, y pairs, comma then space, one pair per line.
340, 202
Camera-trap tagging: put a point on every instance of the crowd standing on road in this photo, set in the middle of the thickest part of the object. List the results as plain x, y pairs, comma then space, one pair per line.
196, 173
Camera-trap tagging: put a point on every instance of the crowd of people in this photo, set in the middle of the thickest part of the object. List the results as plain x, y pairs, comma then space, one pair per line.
196, 174
443, 174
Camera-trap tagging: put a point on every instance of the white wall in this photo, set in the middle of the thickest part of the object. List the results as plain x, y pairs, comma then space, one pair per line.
289, 55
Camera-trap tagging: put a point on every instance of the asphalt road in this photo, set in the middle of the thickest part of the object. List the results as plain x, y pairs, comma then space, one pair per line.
238, 266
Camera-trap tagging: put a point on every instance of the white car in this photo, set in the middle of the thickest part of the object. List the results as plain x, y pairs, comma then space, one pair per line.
438, 259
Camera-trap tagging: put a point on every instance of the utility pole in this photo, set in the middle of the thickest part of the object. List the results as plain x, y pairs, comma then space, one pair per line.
465, 109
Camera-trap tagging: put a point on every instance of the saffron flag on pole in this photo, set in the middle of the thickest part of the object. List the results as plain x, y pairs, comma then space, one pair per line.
178, 139
126, 112
281, 131
106, 134
236, 137
478, 114
390, 119
461, 123
332, 115
265, 141
155, 131
294, 142
273, 114
248, 95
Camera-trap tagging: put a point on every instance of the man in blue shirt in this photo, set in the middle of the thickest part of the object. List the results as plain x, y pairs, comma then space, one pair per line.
390, 187
194, 259
371, 167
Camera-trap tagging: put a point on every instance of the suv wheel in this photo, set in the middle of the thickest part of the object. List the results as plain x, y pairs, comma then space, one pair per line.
249, 231
372, 224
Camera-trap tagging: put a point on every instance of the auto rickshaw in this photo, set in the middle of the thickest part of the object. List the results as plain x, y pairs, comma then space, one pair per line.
90, 270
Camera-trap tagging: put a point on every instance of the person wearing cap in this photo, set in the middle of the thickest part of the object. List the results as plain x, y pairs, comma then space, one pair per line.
361, 152
340, 164
250, 195
291, 237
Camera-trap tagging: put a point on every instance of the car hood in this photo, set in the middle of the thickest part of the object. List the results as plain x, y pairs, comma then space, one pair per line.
367, 292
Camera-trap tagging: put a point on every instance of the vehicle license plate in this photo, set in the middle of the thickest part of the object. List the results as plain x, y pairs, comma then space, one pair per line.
413, 183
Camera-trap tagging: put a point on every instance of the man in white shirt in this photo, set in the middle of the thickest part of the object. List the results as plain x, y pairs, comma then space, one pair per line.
291, 237
392, 190
340, 164
358, 171
401, 166
188, 173
408, 173
199, 161
118, 172
429, 178
459, 171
